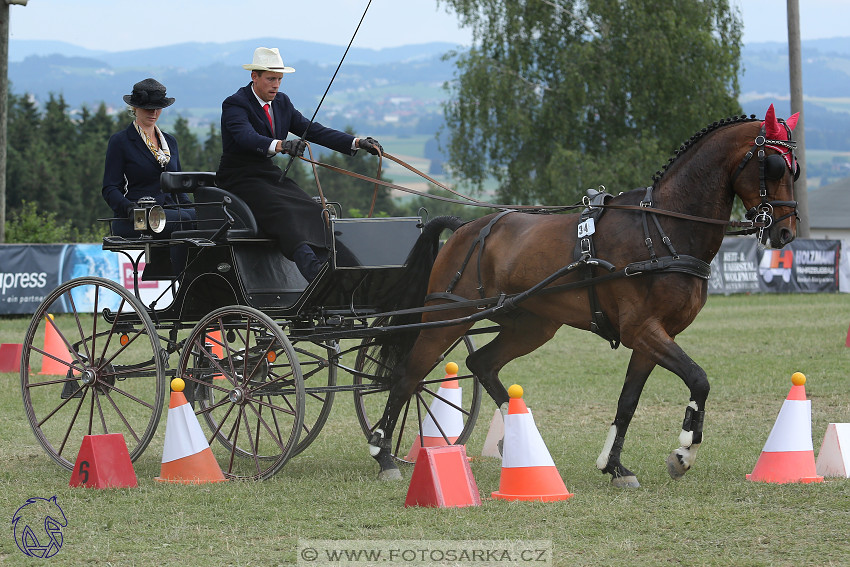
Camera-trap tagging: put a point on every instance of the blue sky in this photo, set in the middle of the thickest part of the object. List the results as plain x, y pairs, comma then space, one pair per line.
118, 25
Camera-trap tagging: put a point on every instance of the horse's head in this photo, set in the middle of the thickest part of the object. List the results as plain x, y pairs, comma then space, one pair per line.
764, 180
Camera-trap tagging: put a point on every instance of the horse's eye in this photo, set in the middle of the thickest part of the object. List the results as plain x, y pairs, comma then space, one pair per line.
774, 167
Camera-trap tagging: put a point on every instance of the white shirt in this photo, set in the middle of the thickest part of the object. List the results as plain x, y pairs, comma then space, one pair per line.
273, 146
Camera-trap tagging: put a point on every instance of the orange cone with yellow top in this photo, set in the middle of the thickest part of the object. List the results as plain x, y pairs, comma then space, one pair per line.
528, 471
443, 411
788, 454
186, 456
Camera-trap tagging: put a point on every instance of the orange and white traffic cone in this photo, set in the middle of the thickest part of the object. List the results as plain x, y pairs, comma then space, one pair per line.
449, 417
186, 456
528, 471
54, 346
788, 454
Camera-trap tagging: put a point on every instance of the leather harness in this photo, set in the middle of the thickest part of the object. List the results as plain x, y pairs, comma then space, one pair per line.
584, 262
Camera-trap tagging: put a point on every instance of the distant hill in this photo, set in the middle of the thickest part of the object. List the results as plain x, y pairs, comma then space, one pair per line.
386, 88
394, 90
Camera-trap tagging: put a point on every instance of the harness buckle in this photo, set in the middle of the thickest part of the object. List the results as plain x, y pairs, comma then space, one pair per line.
585, 246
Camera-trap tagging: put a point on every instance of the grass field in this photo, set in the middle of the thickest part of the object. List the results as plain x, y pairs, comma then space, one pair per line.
749, 345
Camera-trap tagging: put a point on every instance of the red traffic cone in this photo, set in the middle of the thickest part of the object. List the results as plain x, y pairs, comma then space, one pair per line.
216, 348
442, 478
54, 346
448, 416
104, 462
788, 454
528, 472
186, 456
10, 357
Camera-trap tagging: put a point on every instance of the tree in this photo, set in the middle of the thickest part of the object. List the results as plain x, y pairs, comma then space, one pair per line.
188, 145
557, 96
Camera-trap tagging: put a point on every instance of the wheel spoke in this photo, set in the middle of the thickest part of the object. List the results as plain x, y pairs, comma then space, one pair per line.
94, 364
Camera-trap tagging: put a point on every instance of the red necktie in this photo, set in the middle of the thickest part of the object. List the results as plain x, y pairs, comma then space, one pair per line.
269, 116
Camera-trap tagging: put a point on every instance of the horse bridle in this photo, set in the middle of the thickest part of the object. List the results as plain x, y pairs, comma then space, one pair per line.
770, 167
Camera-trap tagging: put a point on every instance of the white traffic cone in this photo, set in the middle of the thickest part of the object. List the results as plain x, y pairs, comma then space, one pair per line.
788, 454
186, 456
449, 417
834, 455
528, 471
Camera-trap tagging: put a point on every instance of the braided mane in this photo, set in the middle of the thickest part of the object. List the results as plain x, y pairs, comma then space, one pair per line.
697, 137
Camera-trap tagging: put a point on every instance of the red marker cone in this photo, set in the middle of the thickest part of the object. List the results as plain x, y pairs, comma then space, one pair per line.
10, 357
216, 348
448, 416
788, 454
528, 472
186, 456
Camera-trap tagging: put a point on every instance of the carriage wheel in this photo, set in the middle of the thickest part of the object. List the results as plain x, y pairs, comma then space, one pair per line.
246, 384
369, 404
95, 367
318, 366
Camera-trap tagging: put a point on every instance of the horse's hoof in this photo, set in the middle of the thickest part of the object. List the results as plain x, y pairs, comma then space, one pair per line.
389, 474
676, 465
630, 481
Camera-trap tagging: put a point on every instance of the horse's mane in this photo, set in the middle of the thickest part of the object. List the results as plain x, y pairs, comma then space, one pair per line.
697, 137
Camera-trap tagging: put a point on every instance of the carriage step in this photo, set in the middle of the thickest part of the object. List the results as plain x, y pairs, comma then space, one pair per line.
71, 389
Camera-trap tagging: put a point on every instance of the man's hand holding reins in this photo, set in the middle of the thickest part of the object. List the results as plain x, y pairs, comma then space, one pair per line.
371, 145
292, 147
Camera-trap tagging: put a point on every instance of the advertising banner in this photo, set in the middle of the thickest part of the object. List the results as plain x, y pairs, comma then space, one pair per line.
29, 272
804, 266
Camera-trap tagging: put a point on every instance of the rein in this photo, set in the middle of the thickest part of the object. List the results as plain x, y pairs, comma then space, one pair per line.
750, 226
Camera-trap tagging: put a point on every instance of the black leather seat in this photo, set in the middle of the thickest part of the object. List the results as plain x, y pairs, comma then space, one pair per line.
210, 205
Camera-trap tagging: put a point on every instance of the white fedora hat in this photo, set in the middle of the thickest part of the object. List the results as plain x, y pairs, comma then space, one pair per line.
268, 59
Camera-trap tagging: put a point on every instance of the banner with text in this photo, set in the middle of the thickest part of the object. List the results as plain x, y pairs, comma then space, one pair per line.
805, 265
29, 272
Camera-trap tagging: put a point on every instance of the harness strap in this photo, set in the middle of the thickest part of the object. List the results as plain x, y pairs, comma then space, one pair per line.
479, 241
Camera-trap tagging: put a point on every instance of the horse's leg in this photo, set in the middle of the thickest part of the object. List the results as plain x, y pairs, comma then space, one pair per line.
429, 345
667, 354
519, 335
609, 460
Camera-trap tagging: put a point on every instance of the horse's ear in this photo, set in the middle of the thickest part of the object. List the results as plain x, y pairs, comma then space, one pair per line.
792, 120
772, 129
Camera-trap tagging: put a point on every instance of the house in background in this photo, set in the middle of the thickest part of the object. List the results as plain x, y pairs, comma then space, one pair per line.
829, 218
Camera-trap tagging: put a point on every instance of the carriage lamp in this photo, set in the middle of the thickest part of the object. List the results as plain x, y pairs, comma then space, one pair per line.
148, 217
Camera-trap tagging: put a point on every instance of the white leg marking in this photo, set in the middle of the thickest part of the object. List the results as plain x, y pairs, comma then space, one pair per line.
686, 438
602, 461
373, 449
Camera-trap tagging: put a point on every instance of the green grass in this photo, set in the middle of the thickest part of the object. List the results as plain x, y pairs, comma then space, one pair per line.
749, 345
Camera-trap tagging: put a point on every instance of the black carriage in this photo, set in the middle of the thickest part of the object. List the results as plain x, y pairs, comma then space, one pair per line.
261, 351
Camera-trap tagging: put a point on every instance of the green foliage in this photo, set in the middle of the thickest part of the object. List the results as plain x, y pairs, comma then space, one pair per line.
30, 225
558, 96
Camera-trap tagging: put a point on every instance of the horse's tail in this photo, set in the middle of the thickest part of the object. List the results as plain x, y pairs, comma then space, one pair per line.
389, 351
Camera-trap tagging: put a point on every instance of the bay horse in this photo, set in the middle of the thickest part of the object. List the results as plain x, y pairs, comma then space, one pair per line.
660, 239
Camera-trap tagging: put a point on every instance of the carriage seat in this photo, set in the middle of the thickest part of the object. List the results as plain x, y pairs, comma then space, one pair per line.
210, 202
